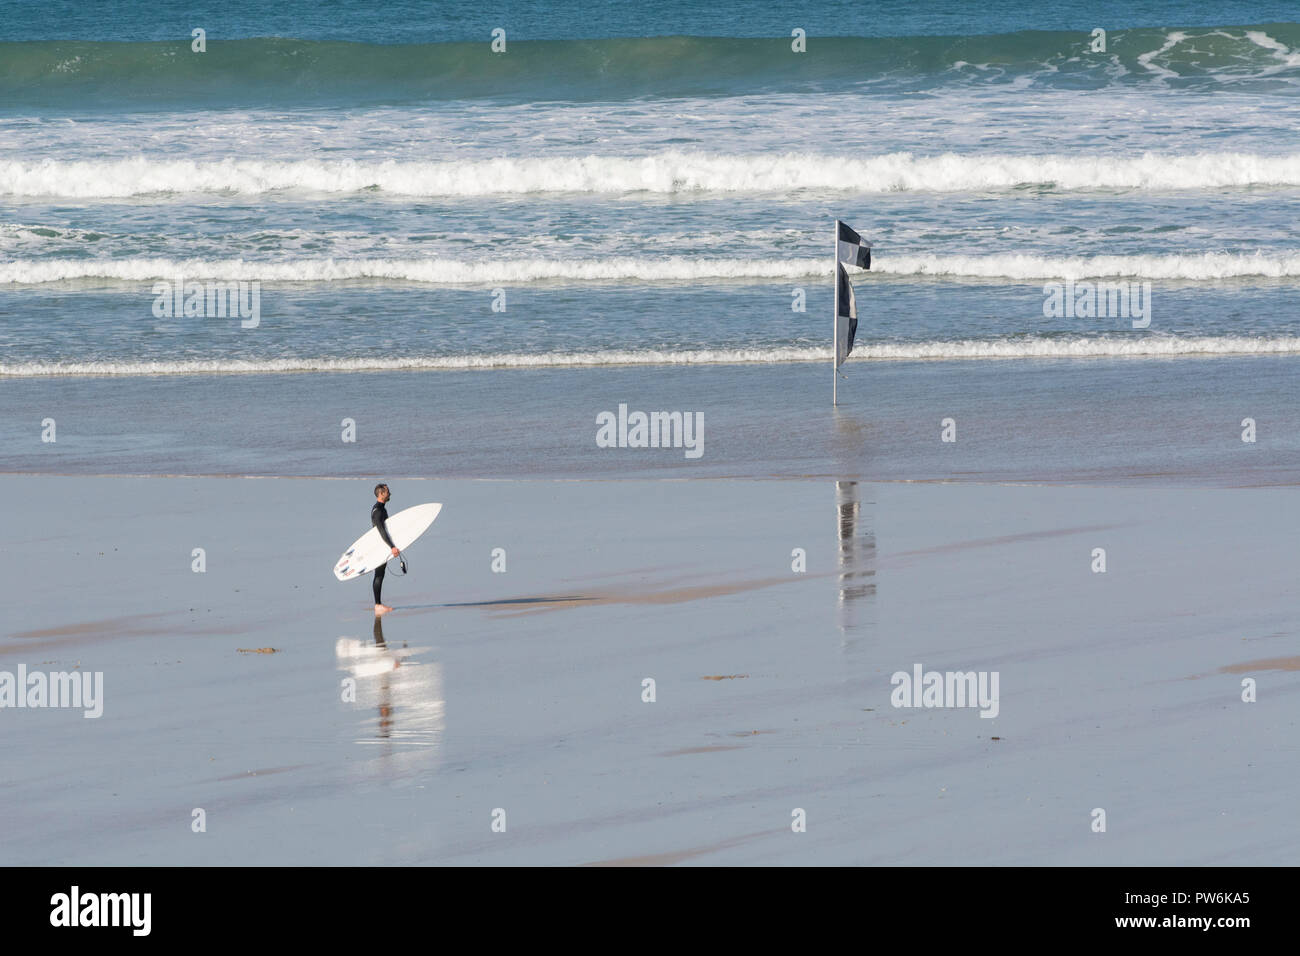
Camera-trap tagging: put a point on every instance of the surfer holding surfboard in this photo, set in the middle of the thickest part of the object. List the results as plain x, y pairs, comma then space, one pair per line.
386, 539
379, 520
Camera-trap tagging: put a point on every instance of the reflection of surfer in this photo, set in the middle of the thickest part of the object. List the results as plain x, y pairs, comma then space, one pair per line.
385, 696
378, 518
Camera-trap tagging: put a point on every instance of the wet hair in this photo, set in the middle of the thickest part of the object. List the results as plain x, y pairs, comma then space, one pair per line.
378, 489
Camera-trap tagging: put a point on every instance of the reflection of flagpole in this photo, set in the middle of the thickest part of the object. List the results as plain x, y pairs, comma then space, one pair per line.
857, 557
846, 514
835, 333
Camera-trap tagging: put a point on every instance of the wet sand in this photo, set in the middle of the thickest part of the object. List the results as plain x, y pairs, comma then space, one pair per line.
523, 691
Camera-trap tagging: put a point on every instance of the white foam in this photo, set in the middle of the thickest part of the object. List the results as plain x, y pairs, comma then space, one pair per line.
665, 172
1287, 59
1018, 348
1206, 266
1145, 60
436, 271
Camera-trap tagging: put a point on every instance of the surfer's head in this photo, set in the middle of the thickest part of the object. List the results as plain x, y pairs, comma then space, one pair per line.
381, 492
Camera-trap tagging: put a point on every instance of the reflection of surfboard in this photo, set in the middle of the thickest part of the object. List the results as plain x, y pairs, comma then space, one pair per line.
366, 660
369, 551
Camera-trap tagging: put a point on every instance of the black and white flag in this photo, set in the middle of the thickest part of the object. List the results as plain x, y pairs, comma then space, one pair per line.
846, 324
850, 249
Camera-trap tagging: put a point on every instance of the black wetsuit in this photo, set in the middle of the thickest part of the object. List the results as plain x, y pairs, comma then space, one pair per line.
378, 518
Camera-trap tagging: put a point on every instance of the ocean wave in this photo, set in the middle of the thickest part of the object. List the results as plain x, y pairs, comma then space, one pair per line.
432, 271
1031, 347
286, 71
1190, 267
671, 172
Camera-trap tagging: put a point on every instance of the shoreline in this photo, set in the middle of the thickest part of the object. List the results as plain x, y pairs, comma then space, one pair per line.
855, 361
1115, 423
1130, 483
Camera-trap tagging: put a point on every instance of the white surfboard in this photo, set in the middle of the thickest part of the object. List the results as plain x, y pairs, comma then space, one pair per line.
369, 551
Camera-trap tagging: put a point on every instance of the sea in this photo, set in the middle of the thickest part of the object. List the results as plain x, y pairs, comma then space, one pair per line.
460, 232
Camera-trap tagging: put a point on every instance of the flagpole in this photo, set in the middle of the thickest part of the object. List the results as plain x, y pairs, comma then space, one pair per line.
835, 326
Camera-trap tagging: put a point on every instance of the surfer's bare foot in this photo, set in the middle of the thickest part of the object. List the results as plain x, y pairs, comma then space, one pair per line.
382, 609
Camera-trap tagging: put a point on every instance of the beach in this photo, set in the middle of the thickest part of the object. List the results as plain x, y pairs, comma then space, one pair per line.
522, 690
1015, 587
1142, 422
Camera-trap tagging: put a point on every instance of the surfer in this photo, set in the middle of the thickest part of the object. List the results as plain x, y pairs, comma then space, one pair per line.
379, 518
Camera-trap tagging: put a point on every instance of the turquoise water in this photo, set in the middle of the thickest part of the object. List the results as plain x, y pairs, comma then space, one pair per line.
417, 21
637, 190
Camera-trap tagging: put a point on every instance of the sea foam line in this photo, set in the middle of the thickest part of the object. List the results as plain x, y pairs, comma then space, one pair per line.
1204, 266
969, 349
665, 172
